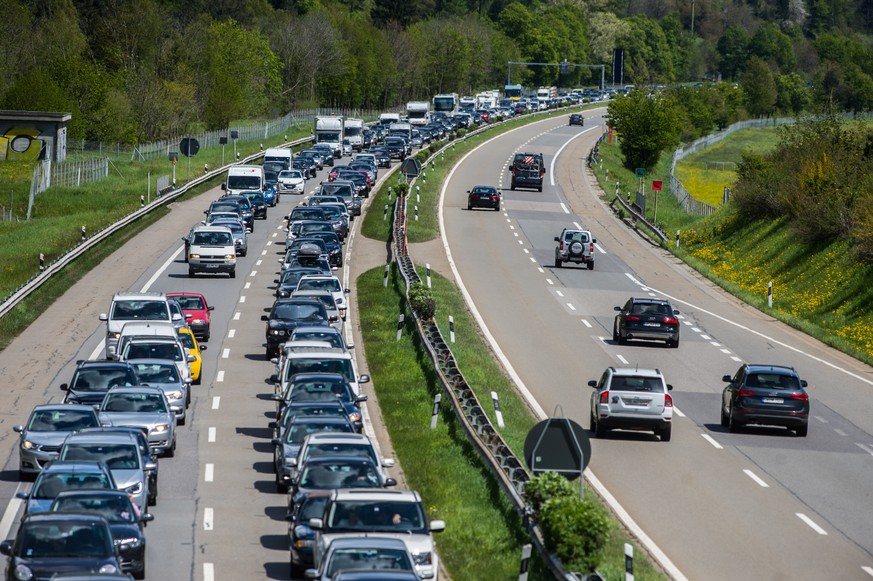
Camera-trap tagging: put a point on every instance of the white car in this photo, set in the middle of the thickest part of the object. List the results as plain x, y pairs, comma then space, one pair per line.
330, 283
291, 181
632, 399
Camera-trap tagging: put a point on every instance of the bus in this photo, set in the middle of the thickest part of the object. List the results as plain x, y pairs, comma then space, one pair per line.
446, 104
513, 92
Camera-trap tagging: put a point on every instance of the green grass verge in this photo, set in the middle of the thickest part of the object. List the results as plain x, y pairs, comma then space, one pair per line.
707, 172
429, 183
59, 213
485, 375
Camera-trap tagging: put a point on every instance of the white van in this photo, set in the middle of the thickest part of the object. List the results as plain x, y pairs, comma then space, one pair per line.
211, 249
242, 179
280, 155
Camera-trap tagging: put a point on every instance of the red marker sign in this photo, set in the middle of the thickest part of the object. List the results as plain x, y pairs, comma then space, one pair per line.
656, 186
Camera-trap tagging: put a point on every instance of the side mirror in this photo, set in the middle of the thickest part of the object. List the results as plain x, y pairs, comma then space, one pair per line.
557, 239
364, 378
390, 482
346, 291
147, 517
65, 387
224, 187
176, 317
150, 466
616, 308
202, 347
275, 281
361, 398
274, 378
316, 524
726, 378
191, 359
803, 383
18, 428
272, 425
210, 308
103, 317
669, 387
21, 494
6, 547
189, 316
593, 383
276, 397
350, 346
266, 317
437, 526
276, 441
594, 240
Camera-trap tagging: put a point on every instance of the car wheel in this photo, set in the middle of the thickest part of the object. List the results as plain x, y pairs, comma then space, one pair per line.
281, 487
181, 421
297, 571
539, 189
244, 253
725, 420
558, 263
665, 433
673, 343
190, 273
733, 425
469, 206
591, 265
152, 500
197, 381
171, 452
616, 333
233, 273
801, 431
512, 186
497, 207
206, 338
141, 573
599, 430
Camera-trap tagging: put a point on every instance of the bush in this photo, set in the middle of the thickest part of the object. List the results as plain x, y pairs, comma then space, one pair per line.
422, 302
547, 486
461, 133
577, 530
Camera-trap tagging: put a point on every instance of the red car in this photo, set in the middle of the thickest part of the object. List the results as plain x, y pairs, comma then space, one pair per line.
196, 311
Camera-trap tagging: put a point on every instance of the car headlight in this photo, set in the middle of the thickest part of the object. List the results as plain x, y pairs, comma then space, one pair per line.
304, 543
161, 428
423, 558
198, 321
107, 569
128, 543
355, 416
28, 445
277, 331
230, 257
193, 256
23, 573
174, 395
134, 488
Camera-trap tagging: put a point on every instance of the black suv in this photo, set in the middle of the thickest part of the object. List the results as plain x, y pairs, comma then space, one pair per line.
527, 171
770, 395
645, 318
577, 119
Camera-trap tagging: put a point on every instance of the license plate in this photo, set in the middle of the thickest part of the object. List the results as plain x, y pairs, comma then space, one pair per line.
211, 266
773, 400
635, 401
651, 324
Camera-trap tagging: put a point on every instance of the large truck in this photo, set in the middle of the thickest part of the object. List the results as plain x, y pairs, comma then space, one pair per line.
278, 155
354, 132
446, 104
513, 92
402, 128
487, 99
467, 102
417, 112
330, 129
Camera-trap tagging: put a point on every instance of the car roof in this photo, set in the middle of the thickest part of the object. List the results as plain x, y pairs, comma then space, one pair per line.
369, 541
340, 494
135, 389
60, 407
85, 466
102, 437
763, 367
91, 493
62, 516
211, 228
148, 296
153, 361
101, 364
301, 377
637, 372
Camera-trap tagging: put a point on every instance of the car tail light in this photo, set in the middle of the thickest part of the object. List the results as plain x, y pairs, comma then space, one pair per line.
671, 321
591, 249
746, 393
668, 400
604, 397
632, 318
562, 247
800, 396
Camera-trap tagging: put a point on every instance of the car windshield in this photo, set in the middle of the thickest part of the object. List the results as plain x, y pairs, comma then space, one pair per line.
306, 214
212, 239
301, 241
103, 379
627, 383
114, 508
335, 189
297, 432
140, 311
51, 485
364, 558
326, 300
311, 508
297, 365
153, 351
187, 340
157, 373
377, 516
292, 277
650, 309
135, 402
271, 176
244, 182
65, 420
190, 303
114, 456
63, 540
290, 175
320, 391
297, 312
326, 475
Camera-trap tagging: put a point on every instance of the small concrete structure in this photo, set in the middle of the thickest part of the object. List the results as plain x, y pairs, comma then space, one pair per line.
32, 135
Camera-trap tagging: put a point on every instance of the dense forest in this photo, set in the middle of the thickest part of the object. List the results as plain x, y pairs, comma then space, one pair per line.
138, 70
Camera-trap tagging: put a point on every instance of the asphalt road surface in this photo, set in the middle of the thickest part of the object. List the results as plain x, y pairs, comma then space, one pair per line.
760, 504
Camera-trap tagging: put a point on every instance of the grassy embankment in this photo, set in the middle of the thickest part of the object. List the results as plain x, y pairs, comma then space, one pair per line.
820, 289
483, 528
60, 213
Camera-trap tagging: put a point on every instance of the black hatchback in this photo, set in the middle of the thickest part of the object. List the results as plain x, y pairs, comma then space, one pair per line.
577, 119
770, 395
645, 318
483, 197
286, 315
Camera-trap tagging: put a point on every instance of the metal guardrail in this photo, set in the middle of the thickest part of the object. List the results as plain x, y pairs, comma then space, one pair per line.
65, 259
510, 472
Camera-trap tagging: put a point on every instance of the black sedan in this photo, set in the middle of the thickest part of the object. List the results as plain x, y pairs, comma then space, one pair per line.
287, 282
287, 314
305, 165
383, 159
125, 522
301, 536
323, 387
770, 395
577, 119
483, 197
645, 318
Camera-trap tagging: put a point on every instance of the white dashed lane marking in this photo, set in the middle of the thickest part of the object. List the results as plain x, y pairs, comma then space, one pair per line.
219, 377
756, 478
209, 473
811, 523
208, 519
211, 434
712, 441
216, 402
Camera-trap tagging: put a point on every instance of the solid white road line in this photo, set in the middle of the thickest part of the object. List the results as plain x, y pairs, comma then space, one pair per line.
209, 473
97, 351
208, 519
161, 270
10, 513
565, 208
811, 524
678, 412
756, 478
712, 441
560, 149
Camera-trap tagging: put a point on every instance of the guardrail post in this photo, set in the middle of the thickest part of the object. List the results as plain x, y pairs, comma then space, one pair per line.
84, 233
41, 262
385, 213
436, 411
400, 326
427, 270
677, 238
769, 293
497, 411
385, 279
628, 562
451, 328
525, 562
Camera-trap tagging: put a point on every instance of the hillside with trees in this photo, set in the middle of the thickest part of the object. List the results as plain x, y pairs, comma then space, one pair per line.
139, 70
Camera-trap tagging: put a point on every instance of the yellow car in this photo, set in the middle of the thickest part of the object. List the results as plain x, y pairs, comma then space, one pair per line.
190, 343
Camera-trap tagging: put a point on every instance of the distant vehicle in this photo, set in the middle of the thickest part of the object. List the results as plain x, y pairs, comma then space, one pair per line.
513, 92
354, 132
575, 246
330, 129
244, 178
527, 171
577, 119
280, 155
389, 118
446, 104
769, 395
291, 181
646, 318
417, 112
483, 197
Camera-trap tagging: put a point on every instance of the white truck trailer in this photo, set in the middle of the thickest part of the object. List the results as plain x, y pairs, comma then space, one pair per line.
354, 132
330, 129
417, 112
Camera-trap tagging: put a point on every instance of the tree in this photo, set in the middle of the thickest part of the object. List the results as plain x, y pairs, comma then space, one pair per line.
733, 48
772, 45
759, 88
647, 126
792, 94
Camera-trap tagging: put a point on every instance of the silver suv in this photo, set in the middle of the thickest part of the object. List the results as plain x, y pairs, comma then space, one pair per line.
632, 399
127, 307
575, 246
355, 512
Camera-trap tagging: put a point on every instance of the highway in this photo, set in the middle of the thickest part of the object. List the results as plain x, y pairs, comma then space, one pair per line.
759, 504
